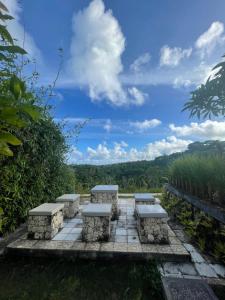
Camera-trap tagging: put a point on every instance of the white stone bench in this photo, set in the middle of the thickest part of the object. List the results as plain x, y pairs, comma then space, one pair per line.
45, 221
106, 194
96, 222
144, 198
152, 224
71, 204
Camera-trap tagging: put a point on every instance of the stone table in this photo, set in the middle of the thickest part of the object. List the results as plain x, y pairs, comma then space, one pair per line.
106, 194
71, 204
96, 222
152, 224
45, 221
144, 198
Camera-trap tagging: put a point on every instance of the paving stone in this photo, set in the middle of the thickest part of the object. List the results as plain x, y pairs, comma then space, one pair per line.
134, 247
165, 249
132, 232
196, 257
120, 247
121, 238
133, 239
65, 230
76, 230
205, 270
174, 240
187, 289
60, 237
171, 268
120, 231
107, 246
189, 247
149, 248
78, 246
92, 247
219, 269
187, 269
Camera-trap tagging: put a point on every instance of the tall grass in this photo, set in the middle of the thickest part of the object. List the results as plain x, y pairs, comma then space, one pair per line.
202, 176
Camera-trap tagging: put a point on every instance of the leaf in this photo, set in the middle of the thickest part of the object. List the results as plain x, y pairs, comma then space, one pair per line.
3, 7
5, 34
9, 138
13, 49
3, 57
5, 150
16, 86
5, 17
31, 110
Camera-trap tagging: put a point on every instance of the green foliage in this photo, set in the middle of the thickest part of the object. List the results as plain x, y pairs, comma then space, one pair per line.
200, 227
35, 174
16, 104
209, 99
32, 146
202, 176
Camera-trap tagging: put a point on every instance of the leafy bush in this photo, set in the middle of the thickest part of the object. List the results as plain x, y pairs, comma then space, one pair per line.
32, 146
202, 176
199, 226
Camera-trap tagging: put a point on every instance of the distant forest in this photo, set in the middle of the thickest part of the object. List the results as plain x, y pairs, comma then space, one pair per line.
139, 176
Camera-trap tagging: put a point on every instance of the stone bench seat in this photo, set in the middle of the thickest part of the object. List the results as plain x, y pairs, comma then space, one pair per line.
152, 224
144, 198
96, 222
45, 221
106, 194
71, 204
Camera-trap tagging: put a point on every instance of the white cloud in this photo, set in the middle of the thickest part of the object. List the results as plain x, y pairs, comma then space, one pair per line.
207, 41
74, 155
172, 56
96, 49
108, 125
206, 130
18, 32
140, 62
137, 97
145, 125
120, 152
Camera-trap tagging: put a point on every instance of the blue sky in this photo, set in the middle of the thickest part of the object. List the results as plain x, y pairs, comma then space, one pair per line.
128, 68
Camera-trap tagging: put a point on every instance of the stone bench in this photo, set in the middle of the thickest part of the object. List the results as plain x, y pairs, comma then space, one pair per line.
96, 222
45, 221
71, 204
144, 198
152, 224
106, 194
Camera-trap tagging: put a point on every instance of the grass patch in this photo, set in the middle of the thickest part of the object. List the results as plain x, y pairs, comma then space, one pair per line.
52, 279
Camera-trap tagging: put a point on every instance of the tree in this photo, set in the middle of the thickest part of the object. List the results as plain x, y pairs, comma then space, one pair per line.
16, 103
209, 99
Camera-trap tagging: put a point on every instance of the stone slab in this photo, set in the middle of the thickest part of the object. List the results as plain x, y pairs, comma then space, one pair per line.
205, 270
186, 289
46, 209
68, 198
97, 210
105, 188
144, 197
151, 211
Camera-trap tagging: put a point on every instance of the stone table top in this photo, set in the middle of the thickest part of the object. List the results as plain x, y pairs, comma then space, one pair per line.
105, 188
46, 209
97, 210
68, 198
144, 197
151, 211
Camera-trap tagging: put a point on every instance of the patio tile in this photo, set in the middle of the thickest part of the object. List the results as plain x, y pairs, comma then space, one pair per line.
66, 230
59, 237
120, 231
134, 247
132, 232
133, 239
121, 239
76, 230
120, 247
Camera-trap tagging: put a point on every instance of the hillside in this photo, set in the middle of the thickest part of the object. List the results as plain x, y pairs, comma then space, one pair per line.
138, 175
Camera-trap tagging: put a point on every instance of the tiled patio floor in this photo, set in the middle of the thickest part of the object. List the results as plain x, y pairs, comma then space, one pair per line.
124, 241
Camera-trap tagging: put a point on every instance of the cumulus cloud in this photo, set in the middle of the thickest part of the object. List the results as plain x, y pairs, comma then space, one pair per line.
141, 61
74, 155
207, 41
206, 130
145, 125
120, 152
19, 33
172, 56
96, 49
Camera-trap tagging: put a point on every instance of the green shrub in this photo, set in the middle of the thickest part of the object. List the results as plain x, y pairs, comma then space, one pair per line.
202, 176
